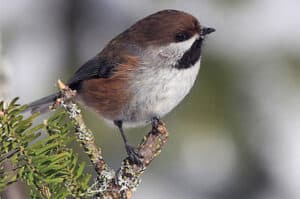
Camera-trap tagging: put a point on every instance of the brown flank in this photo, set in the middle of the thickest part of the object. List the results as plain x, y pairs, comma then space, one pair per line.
109, 96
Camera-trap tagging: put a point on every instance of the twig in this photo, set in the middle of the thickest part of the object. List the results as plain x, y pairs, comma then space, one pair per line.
111, 184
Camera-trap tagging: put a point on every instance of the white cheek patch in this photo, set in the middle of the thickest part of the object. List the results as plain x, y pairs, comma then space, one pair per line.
177, 49
184, 45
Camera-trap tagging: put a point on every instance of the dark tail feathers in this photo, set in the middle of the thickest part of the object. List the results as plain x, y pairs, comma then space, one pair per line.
42, 105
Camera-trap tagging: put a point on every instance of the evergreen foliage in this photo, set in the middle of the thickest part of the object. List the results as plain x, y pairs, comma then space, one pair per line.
39, 155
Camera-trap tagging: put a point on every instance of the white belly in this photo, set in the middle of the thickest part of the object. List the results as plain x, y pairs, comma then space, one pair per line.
157, 92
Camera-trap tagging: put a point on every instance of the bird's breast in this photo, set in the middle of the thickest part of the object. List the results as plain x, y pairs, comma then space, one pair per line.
155, 92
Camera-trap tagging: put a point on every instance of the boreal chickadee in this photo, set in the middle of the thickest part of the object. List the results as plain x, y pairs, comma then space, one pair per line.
141, 74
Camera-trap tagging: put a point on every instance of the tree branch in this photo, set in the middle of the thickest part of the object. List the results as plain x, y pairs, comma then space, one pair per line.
111, 184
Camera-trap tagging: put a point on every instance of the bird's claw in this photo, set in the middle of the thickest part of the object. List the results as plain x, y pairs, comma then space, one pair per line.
134, 156
155, 122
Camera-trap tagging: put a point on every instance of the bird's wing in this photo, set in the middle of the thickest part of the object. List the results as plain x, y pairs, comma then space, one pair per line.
94, 68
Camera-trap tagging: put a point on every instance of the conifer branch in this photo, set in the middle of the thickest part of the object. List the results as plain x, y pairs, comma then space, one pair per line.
111, 184
46, 164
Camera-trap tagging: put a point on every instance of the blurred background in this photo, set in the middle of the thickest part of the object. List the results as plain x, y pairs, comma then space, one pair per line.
236, 136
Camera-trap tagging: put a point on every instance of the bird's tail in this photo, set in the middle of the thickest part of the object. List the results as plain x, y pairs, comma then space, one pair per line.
42, 105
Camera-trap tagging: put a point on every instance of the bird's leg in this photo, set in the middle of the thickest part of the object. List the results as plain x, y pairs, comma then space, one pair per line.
132, 151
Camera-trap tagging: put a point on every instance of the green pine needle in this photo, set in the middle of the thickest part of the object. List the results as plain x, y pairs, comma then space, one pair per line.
40, 155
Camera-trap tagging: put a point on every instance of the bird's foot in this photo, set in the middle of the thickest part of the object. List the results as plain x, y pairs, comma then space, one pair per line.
133, 154
155, 122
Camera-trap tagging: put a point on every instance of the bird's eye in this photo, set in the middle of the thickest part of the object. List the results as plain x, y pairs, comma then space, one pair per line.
182, 36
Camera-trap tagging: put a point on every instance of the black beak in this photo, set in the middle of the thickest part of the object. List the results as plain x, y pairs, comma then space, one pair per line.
207, 30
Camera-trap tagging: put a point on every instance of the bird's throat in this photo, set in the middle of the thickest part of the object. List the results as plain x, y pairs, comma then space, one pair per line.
191, 56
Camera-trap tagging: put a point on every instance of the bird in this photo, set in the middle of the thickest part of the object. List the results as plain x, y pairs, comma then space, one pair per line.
141, 74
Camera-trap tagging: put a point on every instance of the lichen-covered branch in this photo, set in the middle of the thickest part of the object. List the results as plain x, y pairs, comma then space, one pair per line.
111, 184
84, 135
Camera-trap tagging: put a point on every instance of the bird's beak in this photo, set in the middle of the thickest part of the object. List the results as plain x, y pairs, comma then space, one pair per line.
207, 30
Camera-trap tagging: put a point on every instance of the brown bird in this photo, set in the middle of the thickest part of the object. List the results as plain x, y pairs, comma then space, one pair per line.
142, 74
